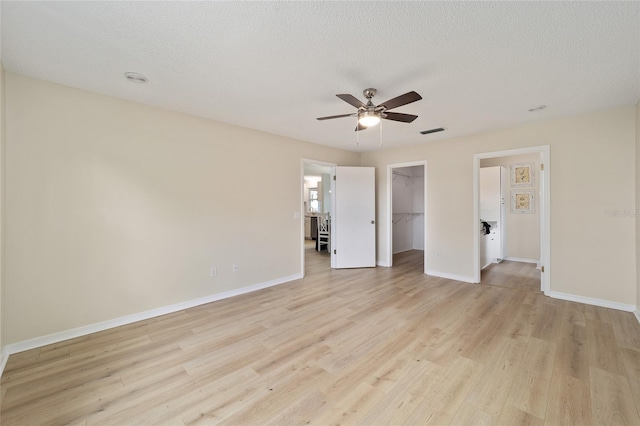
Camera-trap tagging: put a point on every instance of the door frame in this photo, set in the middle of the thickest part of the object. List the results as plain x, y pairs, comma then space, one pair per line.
390, 168
332, 166
544, 203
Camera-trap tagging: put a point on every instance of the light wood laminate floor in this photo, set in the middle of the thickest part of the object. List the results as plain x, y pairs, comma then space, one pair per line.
373, 346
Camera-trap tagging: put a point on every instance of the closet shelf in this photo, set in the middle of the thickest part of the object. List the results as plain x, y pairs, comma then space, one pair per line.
399, 216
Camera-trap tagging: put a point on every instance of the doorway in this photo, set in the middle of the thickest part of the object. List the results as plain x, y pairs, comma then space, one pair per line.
407, 224
318, 200
520, 238
348, 204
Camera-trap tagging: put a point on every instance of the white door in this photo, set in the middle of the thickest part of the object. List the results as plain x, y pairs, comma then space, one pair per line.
354, 218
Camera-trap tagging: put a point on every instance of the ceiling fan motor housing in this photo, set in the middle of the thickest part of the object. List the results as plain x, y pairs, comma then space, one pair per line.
369, 93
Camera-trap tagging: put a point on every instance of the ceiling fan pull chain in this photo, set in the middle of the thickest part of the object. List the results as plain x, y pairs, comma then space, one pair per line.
380, 125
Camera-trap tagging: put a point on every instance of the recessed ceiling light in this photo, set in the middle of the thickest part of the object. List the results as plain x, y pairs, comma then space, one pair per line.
135, 77
537, 108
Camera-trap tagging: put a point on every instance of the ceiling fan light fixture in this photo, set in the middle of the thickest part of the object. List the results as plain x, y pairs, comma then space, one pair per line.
368, 118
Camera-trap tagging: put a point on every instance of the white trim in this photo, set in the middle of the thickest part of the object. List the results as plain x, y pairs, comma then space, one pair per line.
403, 250
390, 168
129, 319
591, 301
451, 276
4, 357
477, 268
545, 219
637, 314
489, 263
522, 259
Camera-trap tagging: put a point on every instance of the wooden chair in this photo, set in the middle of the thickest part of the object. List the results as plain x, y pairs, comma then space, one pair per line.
324, 234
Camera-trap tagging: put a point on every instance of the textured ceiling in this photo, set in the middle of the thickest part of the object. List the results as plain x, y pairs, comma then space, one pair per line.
276, 66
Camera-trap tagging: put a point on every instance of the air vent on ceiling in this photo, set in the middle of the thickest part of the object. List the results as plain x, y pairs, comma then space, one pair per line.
426, 132
134, 77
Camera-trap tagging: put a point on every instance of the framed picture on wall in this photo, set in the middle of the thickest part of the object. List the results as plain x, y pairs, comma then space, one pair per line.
522, 201
522, 174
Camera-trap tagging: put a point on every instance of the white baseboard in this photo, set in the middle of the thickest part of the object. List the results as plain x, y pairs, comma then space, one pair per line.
637, 314
4, 356
591, 301
129, 319
451, 276
521, 259
403, 250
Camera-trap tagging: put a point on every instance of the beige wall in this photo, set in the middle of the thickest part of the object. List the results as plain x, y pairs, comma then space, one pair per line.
592, 175
522, 230
115, 208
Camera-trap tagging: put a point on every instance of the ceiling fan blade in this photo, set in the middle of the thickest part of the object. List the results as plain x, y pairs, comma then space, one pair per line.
405, 99
336, 116
360, 127
396, 116
350, 99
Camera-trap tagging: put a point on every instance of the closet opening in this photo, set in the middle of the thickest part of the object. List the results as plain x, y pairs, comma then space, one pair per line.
407, 218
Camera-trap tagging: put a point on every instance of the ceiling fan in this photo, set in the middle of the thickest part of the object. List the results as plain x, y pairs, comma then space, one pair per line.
369, 114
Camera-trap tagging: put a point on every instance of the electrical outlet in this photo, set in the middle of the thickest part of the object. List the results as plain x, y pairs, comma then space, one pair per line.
214, 271
236, 268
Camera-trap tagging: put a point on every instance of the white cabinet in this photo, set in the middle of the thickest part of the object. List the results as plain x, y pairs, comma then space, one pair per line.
484, 251
490, 248
494, 245
492, 211
490, 194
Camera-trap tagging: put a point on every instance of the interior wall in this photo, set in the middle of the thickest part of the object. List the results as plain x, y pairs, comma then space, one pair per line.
523, 230
115, 208
592, 159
